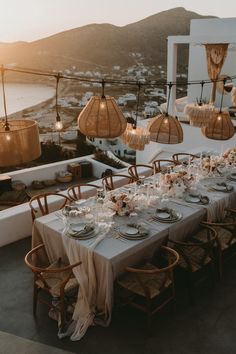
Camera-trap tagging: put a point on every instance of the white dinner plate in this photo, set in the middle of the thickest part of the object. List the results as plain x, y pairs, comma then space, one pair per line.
163, 215
128, 230
192, 199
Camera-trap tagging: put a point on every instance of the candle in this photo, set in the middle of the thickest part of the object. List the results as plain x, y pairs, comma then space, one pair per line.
222, 150
189, 162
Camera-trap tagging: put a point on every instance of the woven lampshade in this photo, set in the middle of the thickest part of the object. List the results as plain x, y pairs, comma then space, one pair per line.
20, 143
165, 129
199, 115
102, 118
224, 87
136, 137
220, 127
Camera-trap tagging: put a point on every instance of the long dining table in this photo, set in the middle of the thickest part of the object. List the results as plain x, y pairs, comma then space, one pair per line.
104, 259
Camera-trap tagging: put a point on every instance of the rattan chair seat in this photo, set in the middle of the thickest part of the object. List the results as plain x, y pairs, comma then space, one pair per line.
54, 280
154, 282
196, 257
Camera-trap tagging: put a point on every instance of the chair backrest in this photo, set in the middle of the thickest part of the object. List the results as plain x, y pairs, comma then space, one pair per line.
206, 239
32, 260
163, 165
165, 272
115, 181
183, 156
136, 171
76, 192
45, 203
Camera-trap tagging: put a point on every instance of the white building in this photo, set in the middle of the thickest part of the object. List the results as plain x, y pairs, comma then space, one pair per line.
201, 32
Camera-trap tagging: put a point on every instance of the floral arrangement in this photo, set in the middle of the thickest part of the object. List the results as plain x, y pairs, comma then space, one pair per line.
122, 204
230, 155
176, 183
210, 163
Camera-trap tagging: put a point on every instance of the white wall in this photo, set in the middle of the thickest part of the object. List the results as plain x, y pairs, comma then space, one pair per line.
194, 141
210, 29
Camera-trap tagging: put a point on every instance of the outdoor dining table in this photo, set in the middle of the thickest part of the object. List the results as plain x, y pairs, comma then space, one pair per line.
104, 259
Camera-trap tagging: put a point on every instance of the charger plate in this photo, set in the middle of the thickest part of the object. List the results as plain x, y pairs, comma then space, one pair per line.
167, 215
133, 232
81, 231
225, 188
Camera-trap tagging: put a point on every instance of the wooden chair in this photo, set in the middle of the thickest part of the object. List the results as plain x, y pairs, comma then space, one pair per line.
183, 156
146, 284
75, 192
109, 182
197, 252
55, 279
226, 236
163, 165
43, 204
136, 171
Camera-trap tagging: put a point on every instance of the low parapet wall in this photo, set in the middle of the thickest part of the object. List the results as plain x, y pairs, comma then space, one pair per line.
16, 222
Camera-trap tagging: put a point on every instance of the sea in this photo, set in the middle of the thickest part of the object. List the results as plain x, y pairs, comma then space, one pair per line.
21, 96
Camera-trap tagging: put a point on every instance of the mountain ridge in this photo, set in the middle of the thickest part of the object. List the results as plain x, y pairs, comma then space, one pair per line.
103, 45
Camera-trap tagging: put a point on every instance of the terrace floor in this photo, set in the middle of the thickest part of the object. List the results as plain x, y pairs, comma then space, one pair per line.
207, 327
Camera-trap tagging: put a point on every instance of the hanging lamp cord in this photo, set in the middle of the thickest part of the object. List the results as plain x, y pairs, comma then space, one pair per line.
137, 106
200, 101
6, 124
168, 100
103, 88
222, 96
58, 118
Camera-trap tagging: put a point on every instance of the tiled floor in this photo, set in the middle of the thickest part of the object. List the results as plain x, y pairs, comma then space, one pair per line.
208, 327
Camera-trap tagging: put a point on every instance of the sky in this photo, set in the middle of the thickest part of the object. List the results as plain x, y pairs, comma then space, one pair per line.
29, 20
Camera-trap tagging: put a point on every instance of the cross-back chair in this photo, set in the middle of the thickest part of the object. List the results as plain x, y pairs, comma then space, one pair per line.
226, 236
143, 285
76, 192
56, 279
115, 181
45, 203
163, 165
136, 171
198, 255
183, 156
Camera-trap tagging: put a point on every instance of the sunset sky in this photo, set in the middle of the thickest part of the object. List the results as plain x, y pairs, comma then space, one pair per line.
29, 20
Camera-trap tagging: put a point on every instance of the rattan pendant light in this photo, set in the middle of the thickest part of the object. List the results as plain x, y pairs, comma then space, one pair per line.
220, 126
136, 137
102, 117
165, 129
19, 138
199, 114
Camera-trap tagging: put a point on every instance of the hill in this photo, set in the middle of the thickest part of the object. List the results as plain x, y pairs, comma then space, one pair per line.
101, 46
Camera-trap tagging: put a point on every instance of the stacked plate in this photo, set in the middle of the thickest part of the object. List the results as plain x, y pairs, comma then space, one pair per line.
133, 231
167, 215
223, 187
232, 177
198, 199
81, 231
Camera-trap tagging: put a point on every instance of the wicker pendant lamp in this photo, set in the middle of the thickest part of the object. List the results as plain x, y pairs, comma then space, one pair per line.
136, 137
199, 114
220, 126
165, 129
102, 118
19, 138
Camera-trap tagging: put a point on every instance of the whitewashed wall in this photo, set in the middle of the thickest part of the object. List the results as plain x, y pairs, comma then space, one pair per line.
197, 69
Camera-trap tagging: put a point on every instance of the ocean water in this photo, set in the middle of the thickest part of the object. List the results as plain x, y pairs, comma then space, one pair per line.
21, 96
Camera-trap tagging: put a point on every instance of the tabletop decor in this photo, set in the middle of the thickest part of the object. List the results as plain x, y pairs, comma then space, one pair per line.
210, 164
176, 183
122, 204
230, 156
